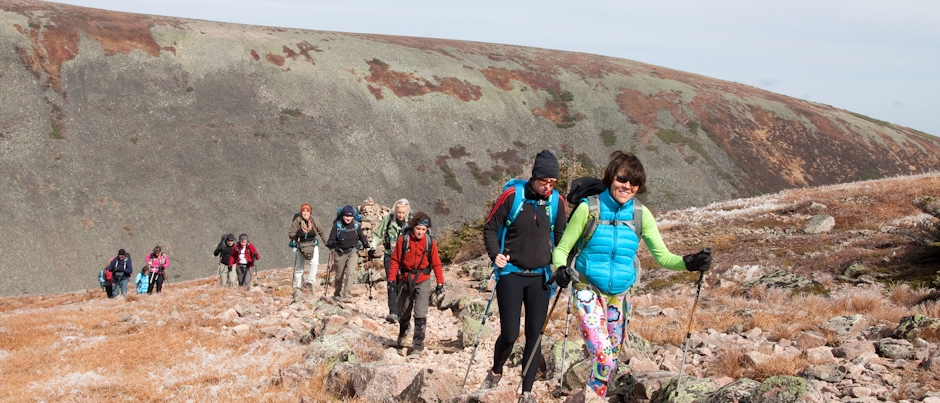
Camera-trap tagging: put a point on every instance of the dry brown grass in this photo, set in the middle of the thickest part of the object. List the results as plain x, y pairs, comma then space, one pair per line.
165, 347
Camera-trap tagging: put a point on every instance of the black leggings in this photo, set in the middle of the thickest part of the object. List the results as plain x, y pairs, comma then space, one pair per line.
156, 283
513, 291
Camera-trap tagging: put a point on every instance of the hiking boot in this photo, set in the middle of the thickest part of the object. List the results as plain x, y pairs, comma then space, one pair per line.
391, 318
417, 342
527, 397
492, 380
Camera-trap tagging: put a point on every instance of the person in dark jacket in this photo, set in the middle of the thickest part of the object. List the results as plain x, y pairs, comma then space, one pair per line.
523, 261
121, 269
244, 256
344, 241
227, 275
303, 231
413, 259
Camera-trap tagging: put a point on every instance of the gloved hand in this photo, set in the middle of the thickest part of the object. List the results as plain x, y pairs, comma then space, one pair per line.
561, 277
372, 254
439, 289
701, 261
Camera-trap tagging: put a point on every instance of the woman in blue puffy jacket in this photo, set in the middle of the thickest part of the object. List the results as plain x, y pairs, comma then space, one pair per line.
606, 268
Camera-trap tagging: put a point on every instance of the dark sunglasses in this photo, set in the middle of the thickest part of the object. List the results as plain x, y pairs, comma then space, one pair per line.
622, 179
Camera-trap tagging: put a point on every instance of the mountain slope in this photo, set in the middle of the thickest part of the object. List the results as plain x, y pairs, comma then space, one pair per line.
124, 130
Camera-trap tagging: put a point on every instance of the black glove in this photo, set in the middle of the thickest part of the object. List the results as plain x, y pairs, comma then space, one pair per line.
561, 277
701, 261
439, 289
372, 254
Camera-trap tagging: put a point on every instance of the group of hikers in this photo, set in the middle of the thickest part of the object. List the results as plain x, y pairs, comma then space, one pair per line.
117, 274
527, 234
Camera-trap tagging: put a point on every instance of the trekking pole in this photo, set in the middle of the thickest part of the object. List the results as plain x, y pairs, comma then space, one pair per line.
329, 268
479, 333
564, 349
369, 270
688, 334
538, 340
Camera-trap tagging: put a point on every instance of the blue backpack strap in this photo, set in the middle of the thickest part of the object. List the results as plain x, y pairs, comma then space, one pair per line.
551, 206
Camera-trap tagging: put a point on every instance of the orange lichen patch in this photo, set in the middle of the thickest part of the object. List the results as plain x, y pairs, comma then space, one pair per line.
642, 109
558, 112
56, 41
276, 60
407, 85
376, 92
503, 78
255, 55
304, 49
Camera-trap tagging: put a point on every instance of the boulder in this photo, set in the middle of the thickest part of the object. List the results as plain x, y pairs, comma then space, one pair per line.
780, 389
844, 324
781, 279
894, 349
691, 390
910, 327
376, 382
570, 352
808, 340
738, 391
640, 385
829, 372
819, 224
851, 350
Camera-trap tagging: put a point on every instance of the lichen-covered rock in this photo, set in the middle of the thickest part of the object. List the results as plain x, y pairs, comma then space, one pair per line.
781, 279
911, 326
819, 224
738, 391
830, 372
691, 390
843, 324
780, 389
894, 349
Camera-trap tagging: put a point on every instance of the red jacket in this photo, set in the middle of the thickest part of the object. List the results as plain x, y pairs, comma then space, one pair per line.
415, 259
250, 256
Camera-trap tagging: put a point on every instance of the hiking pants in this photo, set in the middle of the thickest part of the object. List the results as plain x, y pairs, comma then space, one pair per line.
513, 291
416, 301
301, 262
109, 289
227, 276
244, 275
156, 283
392, 289
345, 265
603, 319
119, 287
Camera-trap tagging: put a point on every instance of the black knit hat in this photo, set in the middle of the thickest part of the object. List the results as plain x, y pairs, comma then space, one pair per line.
545, 166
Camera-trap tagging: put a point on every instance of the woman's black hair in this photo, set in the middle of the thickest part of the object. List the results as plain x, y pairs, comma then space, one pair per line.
629, 165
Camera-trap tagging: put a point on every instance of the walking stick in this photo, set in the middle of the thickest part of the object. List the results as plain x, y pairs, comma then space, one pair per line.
564, 349
688, 334
538, 340
479, 333
329, 268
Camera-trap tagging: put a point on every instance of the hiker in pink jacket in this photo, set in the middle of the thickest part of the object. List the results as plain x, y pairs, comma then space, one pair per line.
158, 263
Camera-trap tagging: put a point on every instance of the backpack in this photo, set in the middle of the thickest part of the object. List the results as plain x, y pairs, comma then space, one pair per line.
405, 239
104, 277
517, 203
338, 222
589, 189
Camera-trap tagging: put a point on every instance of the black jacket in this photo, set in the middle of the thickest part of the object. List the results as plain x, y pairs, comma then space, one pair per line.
529, 238
347, 236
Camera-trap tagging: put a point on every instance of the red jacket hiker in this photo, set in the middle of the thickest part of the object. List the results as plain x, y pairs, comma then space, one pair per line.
415, 259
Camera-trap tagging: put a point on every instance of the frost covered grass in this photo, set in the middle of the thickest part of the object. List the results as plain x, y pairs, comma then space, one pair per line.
166, 347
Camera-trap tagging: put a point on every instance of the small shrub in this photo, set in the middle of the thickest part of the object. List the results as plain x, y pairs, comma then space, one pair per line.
466, 242
671, 137
608, 137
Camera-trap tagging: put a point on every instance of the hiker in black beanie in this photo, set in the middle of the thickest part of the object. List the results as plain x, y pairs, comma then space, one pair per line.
526, 222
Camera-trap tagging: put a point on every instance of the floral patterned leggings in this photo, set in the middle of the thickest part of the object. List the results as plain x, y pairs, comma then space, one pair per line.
603, 319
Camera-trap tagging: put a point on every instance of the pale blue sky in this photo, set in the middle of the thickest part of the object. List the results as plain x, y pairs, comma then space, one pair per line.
877, 58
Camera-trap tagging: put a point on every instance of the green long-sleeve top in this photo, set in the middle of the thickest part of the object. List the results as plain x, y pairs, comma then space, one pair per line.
650, 234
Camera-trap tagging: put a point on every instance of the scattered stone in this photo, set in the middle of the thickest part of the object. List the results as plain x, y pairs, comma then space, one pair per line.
895, 349
780, 389
819, 224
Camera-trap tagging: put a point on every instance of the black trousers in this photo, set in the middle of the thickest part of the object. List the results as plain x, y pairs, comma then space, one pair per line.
156, 283
513, 291
244, 275
390, 284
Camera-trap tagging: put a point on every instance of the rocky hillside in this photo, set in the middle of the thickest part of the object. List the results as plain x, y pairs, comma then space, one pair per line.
123, 130
814, 297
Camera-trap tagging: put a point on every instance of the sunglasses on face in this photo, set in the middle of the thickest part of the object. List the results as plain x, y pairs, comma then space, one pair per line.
548, 182
622, 179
